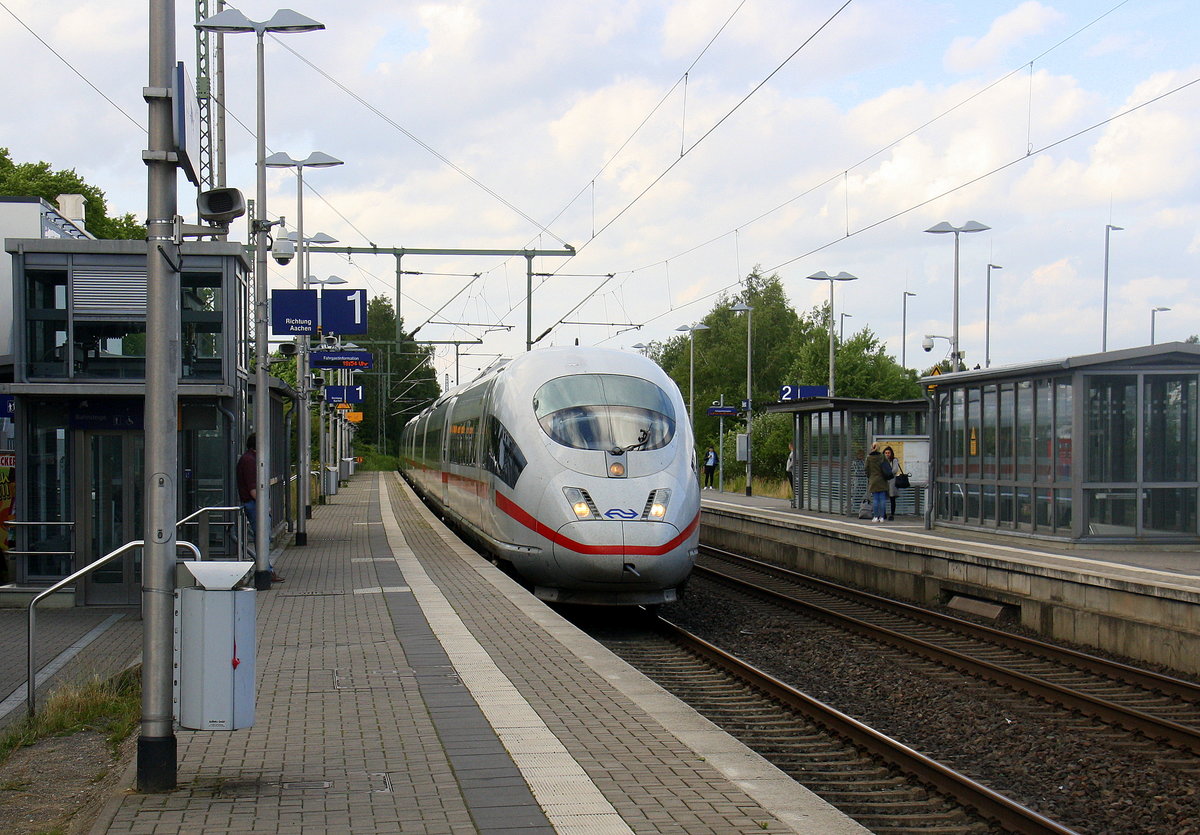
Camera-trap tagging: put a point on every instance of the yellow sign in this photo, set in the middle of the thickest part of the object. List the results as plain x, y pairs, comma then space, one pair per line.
354, 417
974, 442
344, 406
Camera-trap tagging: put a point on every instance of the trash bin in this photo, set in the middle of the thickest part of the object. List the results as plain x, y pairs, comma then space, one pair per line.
215, 647
345, 469
331, 480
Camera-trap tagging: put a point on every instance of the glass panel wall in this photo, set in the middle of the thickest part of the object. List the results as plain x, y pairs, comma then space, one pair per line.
1014, 444
46, 493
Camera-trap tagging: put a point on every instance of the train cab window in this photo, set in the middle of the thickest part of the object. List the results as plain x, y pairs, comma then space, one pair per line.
605, 412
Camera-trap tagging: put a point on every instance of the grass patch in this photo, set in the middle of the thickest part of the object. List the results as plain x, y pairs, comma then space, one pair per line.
374, 460
776, 488
111, 706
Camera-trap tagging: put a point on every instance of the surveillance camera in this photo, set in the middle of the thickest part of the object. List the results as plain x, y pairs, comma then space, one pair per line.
318, 381
283, 251
331, 340
288, 349
927, 344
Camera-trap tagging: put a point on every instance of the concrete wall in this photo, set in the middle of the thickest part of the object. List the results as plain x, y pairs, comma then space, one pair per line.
1145, 619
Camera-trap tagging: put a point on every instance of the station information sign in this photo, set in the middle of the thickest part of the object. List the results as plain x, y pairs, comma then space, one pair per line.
293, 312
341, 359
795, 392
343, 394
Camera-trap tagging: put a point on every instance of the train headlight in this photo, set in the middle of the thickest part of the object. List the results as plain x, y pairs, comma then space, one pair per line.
656, 504
581, 503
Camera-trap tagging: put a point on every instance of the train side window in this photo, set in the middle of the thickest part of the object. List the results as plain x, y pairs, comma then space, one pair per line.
503, 457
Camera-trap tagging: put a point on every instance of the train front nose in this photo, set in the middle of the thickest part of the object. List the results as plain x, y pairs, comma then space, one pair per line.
615, 552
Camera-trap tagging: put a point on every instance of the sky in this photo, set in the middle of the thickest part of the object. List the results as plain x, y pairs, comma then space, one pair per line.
676, 145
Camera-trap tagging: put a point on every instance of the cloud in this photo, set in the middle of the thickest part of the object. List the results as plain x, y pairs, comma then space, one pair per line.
967, 54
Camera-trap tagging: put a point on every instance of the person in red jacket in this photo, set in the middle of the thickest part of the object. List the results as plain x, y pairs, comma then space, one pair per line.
247, 487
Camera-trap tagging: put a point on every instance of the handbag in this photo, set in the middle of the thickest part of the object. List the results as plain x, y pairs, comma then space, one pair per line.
902, 480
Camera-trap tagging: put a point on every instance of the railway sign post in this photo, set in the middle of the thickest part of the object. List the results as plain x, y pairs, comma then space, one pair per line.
293, 312
344, 312
343, 394
341, 359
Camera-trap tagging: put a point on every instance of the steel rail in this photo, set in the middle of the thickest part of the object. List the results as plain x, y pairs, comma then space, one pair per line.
1129, 718
986, 802
1148, 679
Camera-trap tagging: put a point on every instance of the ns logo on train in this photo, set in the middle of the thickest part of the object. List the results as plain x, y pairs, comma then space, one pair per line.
621, 513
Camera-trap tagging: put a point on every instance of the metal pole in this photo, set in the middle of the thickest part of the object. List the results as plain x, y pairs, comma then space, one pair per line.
528, 302
750, 406
1108, 228
831, 348
1153, 313
987, 318
954, 348
721, 456
904, 329
692, 380
303, 500
262, 394
156, 745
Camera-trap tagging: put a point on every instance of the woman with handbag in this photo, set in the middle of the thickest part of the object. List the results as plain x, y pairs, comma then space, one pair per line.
894, 482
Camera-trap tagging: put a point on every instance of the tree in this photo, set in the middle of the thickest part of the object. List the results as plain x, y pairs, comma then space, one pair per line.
863, 369
36, 179
776, 333
402, 382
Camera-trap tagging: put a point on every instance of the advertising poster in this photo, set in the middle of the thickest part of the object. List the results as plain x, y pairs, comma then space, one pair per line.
912, 451
8, 489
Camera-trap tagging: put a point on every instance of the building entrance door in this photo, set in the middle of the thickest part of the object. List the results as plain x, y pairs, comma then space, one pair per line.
112, 514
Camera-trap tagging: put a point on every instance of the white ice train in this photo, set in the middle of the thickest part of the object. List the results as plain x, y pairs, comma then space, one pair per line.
575, 465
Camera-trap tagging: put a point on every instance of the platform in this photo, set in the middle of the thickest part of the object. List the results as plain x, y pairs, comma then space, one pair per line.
1141, 602
407, 685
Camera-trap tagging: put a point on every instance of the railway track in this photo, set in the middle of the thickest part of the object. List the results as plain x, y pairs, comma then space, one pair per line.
884, 785
1158, 707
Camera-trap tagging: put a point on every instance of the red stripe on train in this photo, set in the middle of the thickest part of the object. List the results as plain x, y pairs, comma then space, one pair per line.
518, 513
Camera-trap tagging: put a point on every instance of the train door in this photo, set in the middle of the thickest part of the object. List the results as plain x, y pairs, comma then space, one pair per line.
111, 514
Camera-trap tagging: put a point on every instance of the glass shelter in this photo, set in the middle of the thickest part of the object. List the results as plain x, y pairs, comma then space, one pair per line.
1101, 447
833, 435
78, 367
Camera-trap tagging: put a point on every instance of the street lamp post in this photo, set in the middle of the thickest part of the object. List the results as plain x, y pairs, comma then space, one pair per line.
904, 328
691, 332
942, 228
323, 442
824, 276
316, 159
1154, 312
157, 750
842, 325
749, 311
1108, 229
232, 21
987, 318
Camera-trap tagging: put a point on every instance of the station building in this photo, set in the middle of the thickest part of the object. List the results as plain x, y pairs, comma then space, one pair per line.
1096, 448
72, 374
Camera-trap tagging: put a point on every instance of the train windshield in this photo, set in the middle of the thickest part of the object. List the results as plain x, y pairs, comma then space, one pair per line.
605, 411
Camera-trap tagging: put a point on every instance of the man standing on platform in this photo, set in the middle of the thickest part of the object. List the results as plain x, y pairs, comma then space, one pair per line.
247, 487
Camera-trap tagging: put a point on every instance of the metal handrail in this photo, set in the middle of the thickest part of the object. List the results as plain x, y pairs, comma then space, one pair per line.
13, 523
70, 578
202, 532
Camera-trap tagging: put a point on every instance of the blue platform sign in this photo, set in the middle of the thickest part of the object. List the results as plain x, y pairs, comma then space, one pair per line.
795, 392
344, 312
341, 359
343, 394
293, 312
8, 406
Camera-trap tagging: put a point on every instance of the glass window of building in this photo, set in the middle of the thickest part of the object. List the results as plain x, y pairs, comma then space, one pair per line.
1112, 428
202, 339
